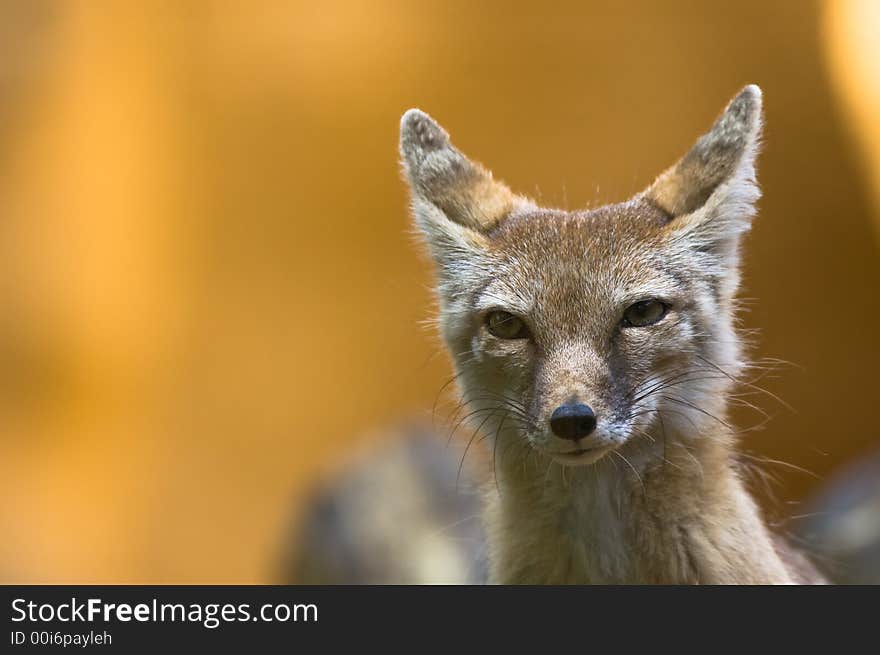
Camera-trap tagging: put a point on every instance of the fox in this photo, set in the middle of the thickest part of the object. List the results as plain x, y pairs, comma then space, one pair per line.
597, 350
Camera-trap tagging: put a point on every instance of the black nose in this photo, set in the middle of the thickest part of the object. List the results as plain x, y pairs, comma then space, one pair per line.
573, 421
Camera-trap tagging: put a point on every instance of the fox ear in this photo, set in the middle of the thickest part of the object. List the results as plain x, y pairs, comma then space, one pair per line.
455, 201
711, 192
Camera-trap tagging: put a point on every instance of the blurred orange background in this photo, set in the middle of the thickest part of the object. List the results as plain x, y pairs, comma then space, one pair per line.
210, 294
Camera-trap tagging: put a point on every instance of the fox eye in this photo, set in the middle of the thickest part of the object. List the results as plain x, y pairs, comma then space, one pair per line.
644, 313
505, 325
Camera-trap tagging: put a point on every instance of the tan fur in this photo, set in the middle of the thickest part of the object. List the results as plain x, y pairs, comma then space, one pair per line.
463, 190
683, 523
654, 495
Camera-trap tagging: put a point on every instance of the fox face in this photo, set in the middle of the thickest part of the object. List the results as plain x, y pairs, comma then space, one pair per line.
577, 334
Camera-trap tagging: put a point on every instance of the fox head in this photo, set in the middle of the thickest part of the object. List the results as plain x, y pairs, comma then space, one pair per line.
577, 333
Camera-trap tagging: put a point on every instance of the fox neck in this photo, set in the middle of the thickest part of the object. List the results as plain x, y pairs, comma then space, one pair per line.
680, 515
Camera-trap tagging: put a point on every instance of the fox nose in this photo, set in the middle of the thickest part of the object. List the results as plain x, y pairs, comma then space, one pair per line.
573, 421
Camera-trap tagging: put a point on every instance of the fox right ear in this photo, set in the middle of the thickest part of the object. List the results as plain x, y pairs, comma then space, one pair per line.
725, 154
455, 201
711, 191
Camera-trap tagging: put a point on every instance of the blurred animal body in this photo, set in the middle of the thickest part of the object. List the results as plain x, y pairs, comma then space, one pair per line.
404, 512
597, 350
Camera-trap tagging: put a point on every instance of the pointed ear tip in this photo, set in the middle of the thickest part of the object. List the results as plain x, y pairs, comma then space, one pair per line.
751, 99
411, 117
753, 91
420, 131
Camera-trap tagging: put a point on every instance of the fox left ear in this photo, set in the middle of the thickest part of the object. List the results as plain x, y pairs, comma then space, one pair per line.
439, 174
455, 201
710, 193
